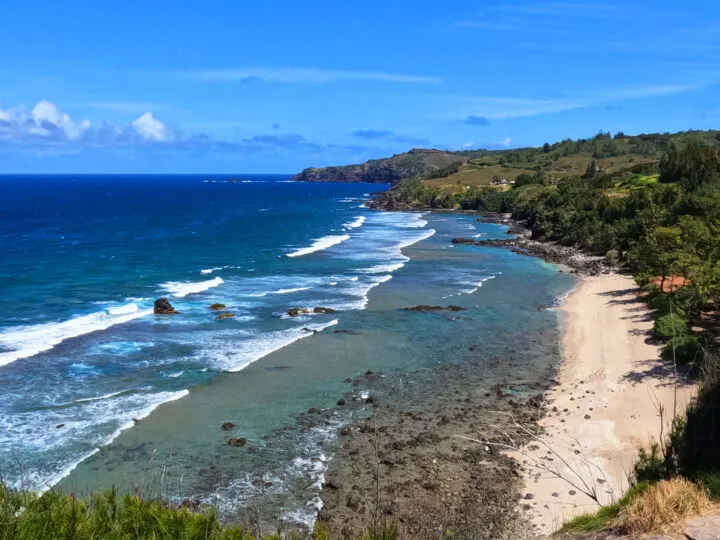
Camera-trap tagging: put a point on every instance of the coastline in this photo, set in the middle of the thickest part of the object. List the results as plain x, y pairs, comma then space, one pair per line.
611, 388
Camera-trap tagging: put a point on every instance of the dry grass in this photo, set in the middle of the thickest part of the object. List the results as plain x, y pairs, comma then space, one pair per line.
661, 506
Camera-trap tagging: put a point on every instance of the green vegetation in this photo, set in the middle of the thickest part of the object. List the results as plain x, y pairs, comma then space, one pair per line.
603, 519
651, 204
109, 516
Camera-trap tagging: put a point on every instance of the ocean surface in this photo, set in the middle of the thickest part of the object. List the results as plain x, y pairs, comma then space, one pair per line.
98, 391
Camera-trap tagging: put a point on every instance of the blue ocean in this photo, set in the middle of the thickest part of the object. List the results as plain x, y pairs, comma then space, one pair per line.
99, 391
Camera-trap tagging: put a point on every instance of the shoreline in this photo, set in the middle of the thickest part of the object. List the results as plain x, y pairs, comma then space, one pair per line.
611, 388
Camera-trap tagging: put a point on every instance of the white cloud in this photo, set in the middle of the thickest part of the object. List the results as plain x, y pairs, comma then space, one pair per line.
48, 117
48, 126
300, 75
150, 128
468, 145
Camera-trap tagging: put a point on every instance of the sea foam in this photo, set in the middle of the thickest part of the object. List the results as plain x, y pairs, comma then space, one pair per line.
27, 341
320, 244
180, 289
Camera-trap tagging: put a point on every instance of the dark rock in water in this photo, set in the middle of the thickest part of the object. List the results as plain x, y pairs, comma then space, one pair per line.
225, 316
163, 307
321, 309
238, 442
332, 484
370, 400
295, 311
341, 402
309, 330
227, 426
217, 307
191, 504
369, 373
348, 380
59, 426
424, 309
260, 483
346, 331
313, 410
345, 431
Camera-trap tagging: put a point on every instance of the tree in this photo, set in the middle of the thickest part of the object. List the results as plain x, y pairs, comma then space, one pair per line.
591, 171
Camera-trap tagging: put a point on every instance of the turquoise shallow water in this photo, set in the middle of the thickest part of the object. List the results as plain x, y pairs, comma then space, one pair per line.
182, 377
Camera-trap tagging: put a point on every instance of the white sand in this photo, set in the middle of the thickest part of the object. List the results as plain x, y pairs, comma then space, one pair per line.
611, 375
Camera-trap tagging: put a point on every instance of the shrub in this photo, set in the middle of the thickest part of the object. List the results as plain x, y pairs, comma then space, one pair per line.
684, 348
670, 326
613, 256
661, 505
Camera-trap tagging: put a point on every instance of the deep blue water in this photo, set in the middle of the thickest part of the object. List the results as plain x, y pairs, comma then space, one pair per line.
82, 357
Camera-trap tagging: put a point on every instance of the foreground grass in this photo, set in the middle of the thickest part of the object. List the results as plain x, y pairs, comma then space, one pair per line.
604, 518
646, 508
110, 516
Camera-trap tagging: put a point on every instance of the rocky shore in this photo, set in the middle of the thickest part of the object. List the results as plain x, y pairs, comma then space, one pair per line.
423, 450
548, 251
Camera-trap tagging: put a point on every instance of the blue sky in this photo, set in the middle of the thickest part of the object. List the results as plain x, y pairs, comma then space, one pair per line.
256, 87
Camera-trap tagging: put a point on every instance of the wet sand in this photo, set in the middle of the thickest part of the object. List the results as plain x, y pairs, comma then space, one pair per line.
614, 396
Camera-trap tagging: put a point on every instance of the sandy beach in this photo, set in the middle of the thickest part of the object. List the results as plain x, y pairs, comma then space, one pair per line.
612, 389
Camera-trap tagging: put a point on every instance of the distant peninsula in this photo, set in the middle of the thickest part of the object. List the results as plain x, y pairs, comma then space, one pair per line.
411, 164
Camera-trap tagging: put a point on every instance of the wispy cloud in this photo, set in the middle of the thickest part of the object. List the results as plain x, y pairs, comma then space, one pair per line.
299, 75
485, 25
372, 134
499, 108
121, 106
474, 120
390, 136
590, 8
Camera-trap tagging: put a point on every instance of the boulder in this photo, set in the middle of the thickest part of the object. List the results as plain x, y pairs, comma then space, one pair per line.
217, 307
327, 310
163, 307
237, 442
227, 426
341, 402
424, 308
295, 311
309, 330
225, 316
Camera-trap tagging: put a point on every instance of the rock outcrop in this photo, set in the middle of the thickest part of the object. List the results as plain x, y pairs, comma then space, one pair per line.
549, 251
425, 309
217, 307
163, 307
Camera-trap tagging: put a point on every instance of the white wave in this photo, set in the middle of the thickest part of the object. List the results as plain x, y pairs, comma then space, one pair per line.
357, 222
384, 268
362, 205
124, 310
479, 235
414, 240
82, 427
211, 270
27, 341
320, 244
240, 354
288, 291
176, 374
180, 289
106, 396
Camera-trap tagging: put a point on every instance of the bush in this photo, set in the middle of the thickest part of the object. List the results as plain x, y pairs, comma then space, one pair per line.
685, 349
670, 326
613, 256
662, 504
